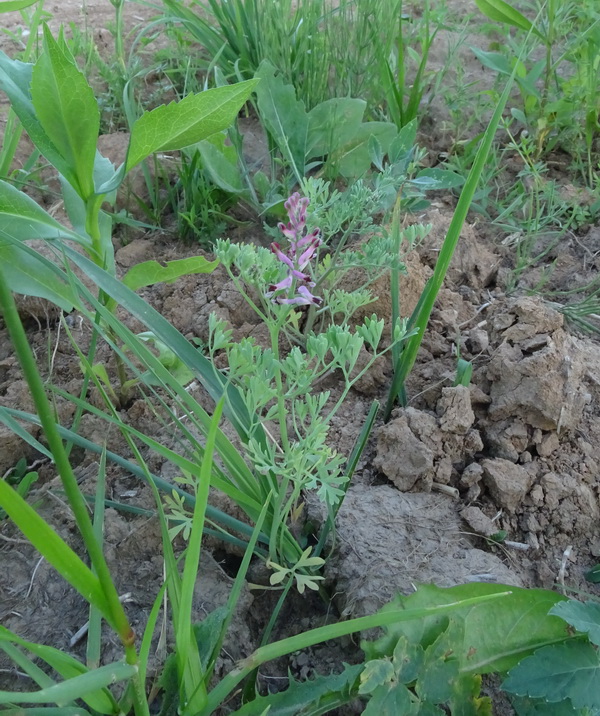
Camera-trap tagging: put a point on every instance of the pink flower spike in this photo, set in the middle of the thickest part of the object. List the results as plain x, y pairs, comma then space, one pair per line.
281, 286
276, 249
305, 293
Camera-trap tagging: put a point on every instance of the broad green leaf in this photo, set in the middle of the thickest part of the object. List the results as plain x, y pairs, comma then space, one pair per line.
392, 700
495, 637
524, 706
72, 689
408, 660
378, 672
220, 160
12, 5
558, 672
31, 274
332, 124
15, 80
500, 11
441, 665
352, 159
583, 616
180, 124
493, 61
53, 549
441, 178
466, 700
150, 272
67, 111
303, 697
284, 117
23, 219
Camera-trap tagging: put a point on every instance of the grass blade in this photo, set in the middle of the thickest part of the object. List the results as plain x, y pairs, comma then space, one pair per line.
427, 300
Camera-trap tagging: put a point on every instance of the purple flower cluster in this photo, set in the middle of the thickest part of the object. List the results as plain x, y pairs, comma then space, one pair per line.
300, 251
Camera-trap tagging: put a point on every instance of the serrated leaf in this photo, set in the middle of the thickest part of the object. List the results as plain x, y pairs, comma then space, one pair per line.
440, 665
67, 110
302, 697
408, 660
180, 124
558, 672
524, 706
376, 673
391, 700
583, 616
150, 272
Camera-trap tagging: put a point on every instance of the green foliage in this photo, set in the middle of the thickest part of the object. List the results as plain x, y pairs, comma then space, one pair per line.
567, 672
151, 272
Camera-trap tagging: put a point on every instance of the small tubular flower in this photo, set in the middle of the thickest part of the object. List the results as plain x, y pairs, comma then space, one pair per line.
302, 248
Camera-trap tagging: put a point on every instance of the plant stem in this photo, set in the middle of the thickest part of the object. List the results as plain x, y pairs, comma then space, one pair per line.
331, 631
116, 616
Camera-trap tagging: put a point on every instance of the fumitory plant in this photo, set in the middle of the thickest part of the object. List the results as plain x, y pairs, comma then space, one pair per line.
279, 388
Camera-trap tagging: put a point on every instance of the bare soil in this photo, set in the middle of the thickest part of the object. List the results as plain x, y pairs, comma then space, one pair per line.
517, 451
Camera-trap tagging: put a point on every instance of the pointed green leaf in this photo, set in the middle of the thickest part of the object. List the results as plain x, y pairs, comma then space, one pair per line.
583, 616
22, 218
332, 124
180, 124
15, 80
352, 159
284, 116
67, 110
558, 672
52, 548
501, 11
150, 272
220, 160
31, 274
12, 5
72, 689
65, 665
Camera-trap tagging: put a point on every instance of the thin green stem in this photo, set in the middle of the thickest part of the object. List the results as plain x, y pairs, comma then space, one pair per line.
332, 631
116, 615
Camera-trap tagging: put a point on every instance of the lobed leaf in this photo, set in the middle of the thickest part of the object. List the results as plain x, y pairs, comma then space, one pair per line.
583, 616
559, 672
